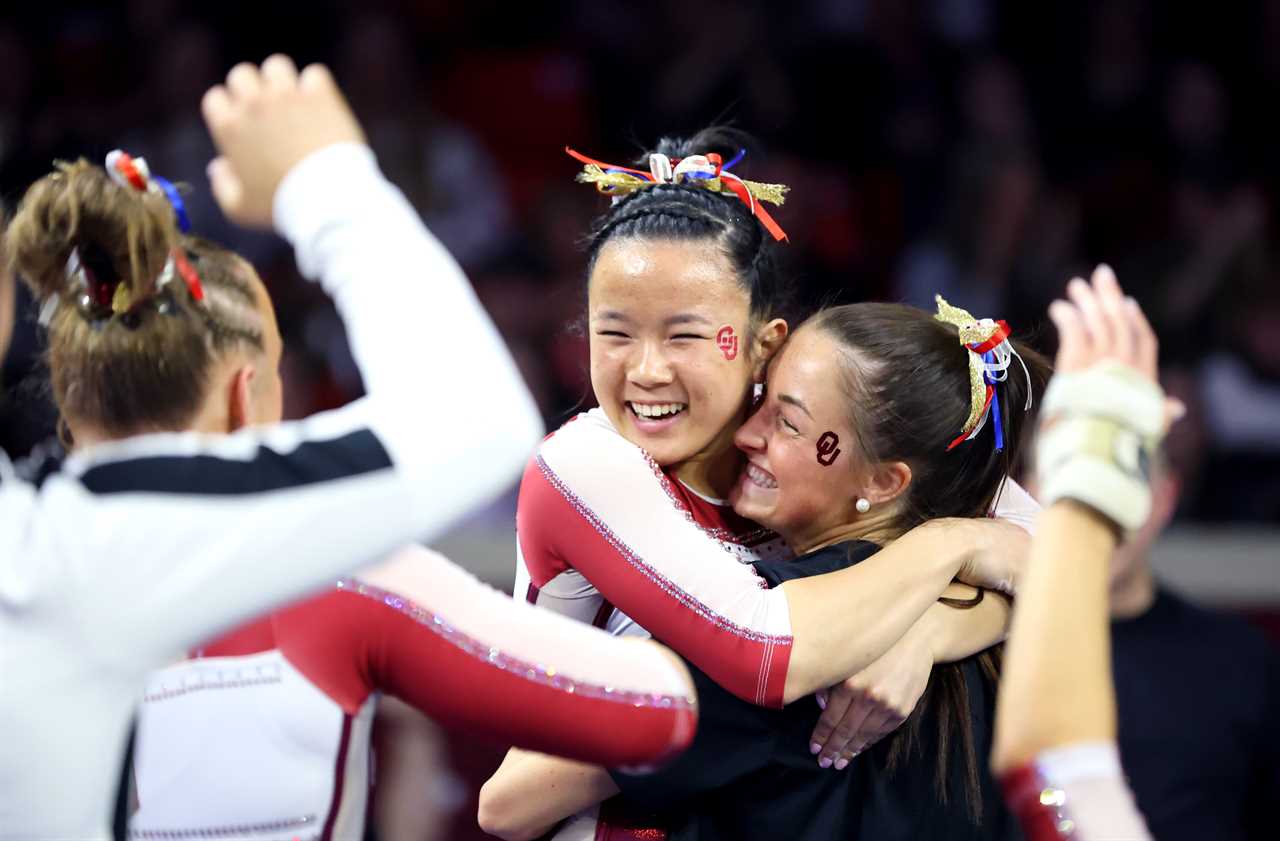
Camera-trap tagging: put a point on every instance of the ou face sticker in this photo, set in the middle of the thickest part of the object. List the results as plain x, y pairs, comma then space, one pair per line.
727, 341
828, 448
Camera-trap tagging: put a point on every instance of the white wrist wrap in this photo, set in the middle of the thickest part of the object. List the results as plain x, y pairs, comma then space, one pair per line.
1100, 428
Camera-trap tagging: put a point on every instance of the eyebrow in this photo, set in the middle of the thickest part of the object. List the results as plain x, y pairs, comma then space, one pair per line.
680, 318
795, 401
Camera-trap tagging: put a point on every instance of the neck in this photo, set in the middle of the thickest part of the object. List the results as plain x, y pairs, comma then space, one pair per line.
872, 529
713, 471
87, 436
1133, 591
711, 475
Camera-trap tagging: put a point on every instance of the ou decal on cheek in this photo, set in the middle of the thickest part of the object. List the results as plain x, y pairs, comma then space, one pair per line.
828, 448
727, 341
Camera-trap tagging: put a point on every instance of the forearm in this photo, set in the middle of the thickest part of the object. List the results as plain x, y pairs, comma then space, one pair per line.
843, 621
531, 792
473, 659
416, 330
1056, 684
954, 633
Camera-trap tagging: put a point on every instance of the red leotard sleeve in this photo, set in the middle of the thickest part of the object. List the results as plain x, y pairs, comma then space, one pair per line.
592, 501
421, 629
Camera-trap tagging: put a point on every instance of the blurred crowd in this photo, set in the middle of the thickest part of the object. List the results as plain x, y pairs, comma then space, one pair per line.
984, 150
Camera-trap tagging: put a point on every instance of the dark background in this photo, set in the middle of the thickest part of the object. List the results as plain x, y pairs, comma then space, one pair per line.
981, 149
984, 150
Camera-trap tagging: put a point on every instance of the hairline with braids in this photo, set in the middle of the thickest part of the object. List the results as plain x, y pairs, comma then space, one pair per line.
145, 369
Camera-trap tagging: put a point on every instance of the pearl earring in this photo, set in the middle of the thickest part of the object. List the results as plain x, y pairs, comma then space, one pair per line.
863, 505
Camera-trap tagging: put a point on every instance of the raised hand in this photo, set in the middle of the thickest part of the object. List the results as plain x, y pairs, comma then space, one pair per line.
264, 120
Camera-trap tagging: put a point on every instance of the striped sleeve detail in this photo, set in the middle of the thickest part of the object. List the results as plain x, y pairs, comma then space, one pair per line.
421, 629
592, 501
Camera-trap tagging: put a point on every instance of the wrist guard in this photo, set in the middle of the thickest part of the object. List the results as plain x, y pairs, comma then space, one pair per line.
1099, 431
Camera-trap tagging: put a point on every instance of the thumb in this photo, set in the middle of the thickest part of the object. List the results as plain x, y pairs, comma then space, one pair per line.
228, 191
1174, 411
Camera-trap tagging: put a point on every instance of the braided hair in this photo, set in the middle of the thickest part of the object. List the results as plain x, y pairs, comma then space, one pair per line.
686, 211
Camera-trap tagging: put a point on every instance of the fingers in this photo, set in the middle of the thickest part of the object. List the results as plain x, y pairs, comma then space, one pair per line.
1115, 313
279, 73
244, 81
316, 78
227, 189
1093, 320
1147, 346
838, 749
1075, 346
834, 704
218, 110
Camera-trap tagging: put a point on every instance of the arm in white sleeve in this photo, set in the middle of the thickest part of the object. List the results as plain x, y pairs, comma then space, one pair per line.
197, 533
448, 402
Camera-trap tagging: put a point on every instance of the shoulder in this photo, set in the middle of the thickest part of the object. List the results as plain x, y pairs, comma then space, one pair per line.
584, 431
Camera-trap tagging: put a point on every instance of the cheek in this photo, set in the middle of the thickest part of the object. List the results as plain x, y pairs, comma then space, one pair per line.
811, 486
606, 367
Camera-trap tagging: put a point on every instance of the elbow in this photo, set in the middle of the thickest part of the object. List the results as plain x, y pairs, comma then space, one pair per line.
499, 815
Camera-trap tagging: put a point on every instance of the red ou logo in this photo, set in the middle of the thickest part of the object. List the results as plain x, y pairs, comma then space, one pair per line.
828, 448
727, 342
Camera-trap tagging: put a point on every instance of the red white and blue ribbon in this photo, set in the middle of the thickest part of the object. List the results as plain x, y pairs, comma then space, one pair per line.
665, 170
133, 173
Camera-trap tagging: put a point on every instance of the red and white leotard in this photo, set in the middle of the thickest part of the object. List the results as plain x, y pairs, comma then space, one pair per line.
265, 734
1077, 792
599, 520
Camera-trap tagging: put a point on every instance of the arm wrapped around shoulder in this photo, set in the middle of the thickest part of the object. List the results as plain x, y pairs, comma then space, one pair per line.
1101, 428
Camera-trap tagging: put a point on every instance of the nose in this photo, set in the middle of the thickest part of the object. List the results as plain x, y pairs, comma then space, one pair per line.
750, 437
649, 366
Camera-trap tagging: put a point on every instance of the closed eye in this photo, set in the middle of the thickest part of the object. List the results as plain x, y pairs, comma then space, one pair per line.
616, 334
688, 336
788, 424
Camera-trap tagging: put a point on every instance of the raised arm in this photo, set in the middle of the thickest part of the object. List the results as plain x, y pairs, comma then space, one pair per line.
592, 501
218, 530
1055, 716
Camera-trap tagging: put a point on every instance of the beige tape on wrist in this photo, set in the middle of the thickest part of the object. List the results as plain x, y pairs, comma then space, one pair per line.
1100, 428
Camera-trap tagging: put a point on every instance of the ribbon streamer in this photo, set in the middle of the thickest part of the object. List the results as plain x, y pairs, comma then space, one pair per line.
991, 354
706, 170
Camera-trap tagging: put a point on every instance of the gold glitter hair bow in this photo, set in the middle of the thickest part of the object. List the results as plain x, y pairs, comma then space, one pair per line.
990, 355
708, 171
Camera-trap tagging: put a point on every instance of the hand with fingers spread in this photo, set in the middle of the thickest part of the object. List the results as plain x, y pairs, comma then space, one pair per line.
1104, 413
873, 703
264, 120
1100, 323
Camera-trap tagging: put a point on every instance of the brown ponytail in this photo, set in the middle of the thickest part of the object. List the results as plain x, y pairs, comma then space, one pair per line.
907, 383
144, 365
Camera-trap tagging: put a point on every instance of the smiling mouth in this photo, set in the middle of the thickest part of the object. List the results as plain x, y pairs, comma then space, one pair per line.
656, 411
760, 476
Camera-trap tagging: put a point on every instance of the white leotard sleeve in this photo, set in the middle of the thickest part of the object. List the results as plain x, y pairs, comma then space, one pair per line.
163, 540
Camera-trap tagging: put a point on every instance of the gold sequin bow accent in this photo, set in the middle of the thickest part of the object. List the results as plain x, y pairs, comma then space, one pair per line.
707, 171
990, 355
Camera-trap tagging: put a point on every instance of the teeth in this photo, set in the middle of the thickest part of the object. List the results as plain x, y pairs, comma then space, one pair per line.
760, 477
656, 410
